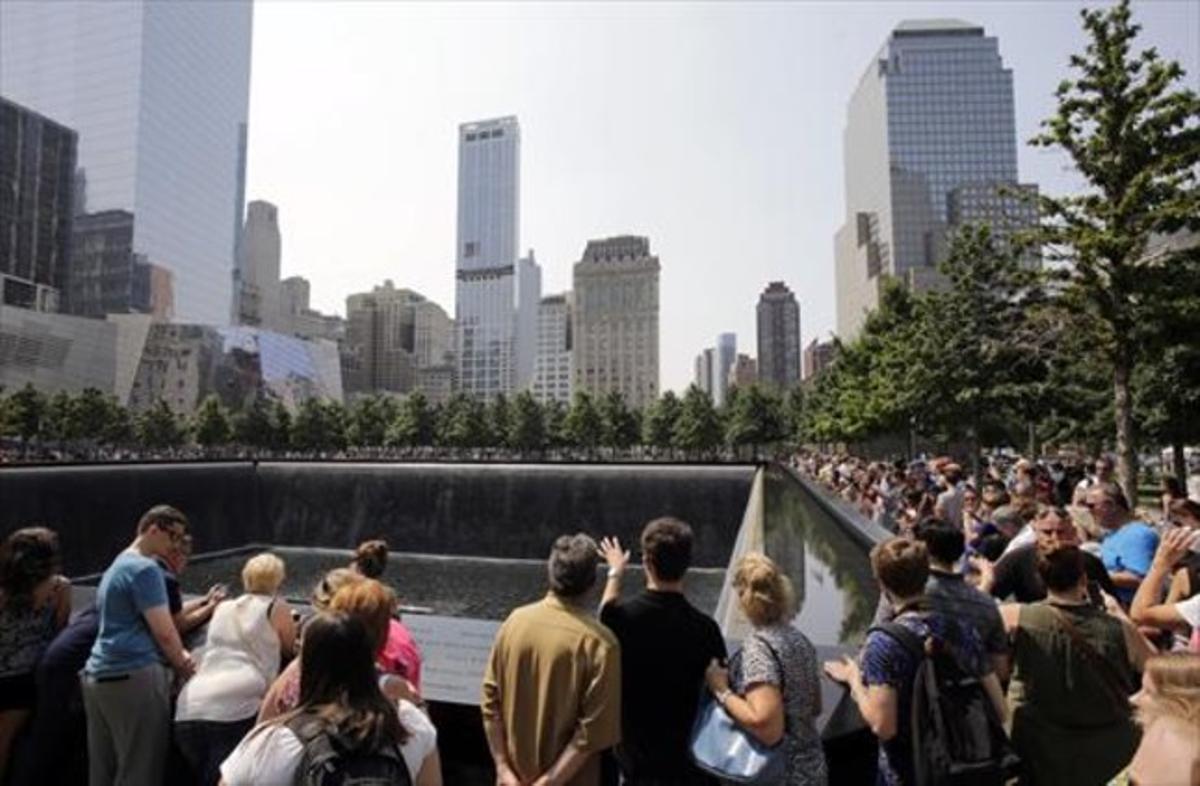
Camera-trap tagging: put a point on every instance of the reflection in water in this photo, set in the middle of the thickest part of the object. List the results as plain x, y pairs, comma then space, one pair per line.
478, 588
831, 572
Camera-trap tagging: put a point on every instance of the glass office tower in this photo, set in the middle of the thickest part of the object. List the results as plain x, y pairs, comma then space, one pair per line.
159, 94
933, 113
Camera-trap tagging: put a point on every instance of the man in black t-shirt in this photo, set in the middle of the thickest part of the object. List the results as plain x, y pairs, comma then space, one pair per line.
1016, 574
666, 644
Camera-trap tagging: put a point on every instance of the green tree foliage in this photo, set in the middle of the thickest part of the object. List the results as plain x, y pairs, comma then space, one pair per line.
26, 409
462, 422
527, 431
555, 415
281, 425
619, 425
252, 426
793, 414
414, 423
159, 427
211, 423
498, 421
658, 421
1132, 131
583, 427
698, 429
369, 419
118, 424
319, 426
90, 415
1167, 396
755, 418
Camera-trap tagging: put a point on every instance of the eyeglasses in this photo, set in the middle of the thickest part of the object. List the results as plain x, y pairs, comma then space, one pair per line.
176, 534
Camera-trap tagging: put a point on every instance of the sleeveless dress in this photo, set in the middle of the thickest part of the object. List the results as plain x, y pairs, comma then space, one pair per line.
239, 662
1066, 721
25, 633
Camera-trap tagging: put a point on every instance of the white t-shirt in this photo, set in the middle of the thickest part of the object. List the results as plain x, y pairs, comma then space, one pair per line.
271, 756
1190, 610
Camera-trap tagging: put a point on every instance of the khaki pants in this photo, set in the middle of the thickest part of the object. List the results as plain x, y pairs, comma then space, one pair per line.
129, 726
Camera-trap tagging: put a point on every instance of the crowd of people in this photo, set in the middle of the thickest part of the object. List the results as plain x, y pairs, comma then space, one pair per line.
1075, 624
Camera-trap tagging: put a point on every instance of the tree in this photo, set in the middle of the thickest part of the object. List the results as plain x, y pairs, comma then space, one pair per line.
159, 427
498, 421
369, 420
118, 425
462, 422
56, 423
698, 429
527, 431
414, 424
583, 426
755, 419
319, 426
619, 425
87, 415
555, 415
253, 425
1167, 396
281, 425
26, 409
658, 421
1134, 135
793, 414
211, 423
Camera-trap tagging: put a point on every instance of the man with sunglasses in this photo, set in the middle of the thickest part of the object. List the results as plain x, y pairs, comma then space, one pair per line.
126, 682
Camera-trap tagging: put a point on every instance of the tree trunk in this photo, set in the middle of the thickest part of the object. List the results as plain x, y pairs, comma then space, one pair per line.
1123, 409
974, 447
1178, 463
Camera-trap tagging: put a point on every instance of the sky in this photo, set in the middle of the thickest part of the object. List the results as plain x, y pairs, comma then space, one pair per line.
714, 129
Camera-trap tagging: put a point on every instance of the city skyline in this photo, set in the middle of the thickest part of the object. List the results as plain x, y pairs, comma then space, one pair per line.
722, 177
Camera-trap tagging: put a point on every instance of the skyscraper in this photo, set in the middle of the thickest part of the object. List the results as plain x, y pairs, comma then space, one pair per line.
705, 361
37, 189
616, 319
778, 337
933, 113
159, 94
552, 368
726, 356
496, 295
818, 355
260, 248
390, 335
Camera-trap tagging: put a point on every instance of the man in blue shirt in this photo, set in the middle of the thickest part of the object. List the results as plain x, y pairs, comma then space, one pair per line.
1128, 548
126, 682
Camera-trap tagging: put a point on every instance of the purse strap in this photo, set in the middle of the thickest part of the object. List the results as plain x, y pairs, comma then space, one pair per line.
1113, 683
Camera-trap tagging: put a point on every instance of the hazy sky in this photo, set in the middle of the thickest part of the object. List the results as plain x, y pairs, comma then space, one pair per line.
715, 129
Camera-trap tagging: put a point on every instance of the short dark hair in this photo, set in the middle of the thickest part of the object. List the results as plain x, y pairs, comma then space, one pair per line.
1061, 568
572, 565
371, 558
27, 558
667, 547
901, 565
161, 516
944, 541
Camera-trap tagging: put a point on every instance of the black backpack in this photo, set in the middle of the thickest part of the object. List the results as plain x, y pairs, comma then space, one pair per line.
329, 760
957, 735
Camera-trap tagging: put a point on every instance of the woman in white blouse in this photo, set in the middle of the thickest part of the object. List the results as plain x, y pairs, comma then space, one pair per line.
247, 639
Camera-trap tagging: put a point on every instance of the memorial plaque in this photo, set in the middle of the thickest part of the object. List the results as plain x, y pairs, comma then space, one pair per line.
454, 654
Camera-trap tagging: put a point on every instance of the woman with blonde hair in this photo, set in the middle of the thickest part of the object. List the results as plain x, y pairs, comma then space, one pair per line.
1168, 710
771, 687
247, 640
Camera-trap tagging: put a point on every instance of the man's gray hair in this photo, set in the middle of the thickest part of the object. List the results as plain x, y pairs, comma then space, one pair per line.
572, 565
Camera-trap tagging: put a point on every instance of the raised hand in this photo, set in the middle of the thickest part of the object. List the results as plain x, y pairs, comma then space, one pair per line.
617, 558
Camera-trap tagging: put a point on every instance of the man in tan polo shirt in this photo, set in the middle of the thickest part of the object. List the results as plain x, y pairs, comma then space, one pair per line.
552, 689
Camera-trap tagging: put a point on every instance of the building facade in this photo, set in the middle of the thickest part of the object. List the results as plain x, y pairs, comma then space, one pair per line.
496, 293
108, 277
552, 366
817, 357
37, 194
616, 320
705, 364
933, 113
744, 372
391, 334
55, 352
778, 322
260, 250
159, 95
300, 319
723, 360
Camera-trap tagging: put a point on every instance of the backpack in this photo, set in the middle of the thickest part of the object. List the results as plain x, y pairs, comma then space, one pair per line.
328, 759
957, 735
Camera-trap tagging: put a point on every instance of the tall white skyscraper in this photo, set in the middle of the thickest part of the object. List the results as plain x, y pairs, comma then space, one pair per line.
159, 94
930, 127
496, 294
260, 251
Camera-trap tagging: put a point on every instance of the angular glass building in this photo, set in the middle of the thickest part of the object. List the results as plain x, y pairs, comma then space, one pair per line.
158, 93
932, 114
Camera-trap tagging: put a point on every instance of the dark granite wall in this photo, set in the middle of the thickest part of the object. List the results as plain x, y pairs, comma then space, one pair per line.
494, 510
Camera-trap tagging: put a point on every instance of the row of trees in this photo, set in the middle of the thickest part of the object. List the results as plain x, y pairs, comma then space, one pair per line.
1103, 347
752, 417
